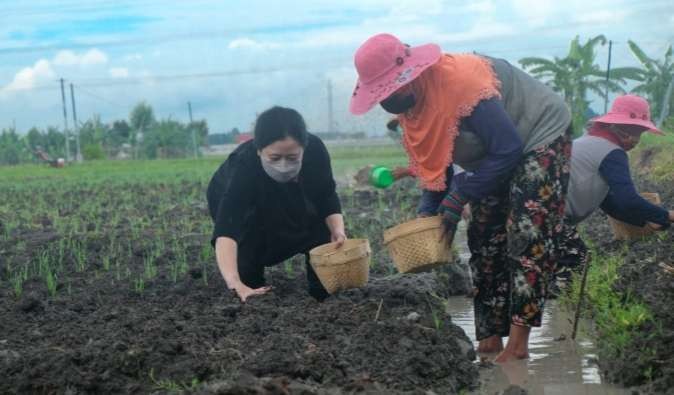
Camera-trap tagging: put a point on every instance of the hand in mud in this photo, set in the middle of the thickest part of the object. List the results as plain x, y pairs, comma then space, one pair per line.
401, 172
653, 226
244, 292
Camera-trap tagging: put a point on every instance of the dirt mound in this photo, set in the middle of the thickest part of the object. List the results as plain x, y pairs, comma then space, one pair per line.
392, 335
122, 295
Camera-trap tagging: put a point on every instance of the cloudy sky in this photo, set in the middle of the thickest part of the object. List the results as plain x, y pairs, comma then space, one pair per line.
233, 58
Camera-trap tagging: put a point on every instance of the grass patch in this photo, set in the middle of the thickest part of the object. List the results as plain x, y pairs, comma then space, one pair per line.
618, 318
345, 160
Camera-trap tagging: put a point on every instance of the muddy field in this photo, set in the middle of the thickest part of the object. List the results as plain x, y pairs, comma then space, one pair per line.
105, 292
648, 359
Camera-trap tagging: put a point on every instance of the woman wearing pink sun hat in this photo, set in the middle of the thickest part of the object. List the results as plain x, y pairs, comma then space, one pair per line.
511, 134
600, 177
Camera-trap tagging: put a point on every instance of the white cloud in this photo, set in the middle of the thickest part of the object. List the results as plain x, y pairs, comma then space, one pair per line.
249, 43
29, 77
119, 72
43, 69
91, 57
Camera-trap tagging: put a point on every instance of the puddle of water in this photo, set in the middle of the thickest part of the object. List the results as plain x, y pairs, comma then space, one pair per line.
554, 367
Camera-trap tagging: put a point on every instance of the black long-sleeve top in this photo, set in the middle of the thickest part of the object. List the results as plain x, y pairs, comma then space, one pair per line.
243, 199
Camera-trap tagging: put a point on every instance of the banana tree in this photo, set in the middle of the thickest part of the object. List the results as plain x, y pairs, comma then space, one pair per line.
577, 74
656, 82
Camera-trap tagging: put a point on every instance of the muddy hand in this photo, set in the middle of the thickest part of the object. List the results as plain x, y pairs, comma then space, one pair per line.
653, 226
448, 230
401, 172
451, 209
244, 292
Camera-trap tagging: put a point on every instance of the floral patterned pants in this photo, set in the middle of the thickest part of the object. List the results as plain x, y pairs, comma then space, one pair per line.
573, 255
514, 237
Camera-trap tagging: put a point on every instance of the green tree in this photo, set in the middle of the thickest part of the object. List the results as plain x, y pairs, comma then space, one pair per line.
657, 82
141, 119
118, 134
35, 138
92, 136
167, 139
200, 131
577, 74
13, 150
55, 142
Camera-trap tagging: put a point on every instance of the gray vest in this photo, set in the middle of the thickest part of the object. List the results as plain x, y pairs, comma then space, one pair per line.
587, 189
539, 114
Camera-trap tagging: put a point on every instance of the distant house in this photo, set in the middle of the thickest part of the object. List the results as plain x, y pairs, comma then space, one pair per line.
243, 137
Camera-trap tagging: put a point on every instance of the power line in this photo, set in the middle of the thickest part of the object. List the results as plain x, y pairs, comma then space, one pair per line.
100, 82
170, 78
101, 98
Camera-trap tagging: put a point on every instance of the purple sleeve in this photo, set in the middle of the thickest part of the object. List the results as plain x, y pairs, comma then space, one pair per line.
623, 201
504, 147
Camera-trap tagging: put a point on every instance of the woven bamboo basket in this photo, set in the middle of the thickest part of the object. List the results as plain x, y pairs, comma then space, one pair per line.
417, 245
343, 268
624, 231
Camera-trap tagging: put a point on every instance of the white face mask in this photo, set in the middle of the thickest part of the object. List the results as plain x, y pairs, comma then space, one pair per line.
282, 170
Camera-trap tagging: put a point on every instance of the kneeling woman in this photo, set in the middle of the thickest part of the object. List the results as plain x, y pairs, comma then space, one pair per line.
273, 198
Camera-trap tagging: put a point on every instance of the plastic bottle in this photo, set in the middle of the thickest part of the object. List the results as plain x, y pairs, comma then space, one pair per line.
381, 177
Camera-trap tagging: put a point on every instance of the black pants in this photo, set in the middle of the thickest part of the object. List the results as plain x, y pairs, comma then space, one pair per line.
254, 256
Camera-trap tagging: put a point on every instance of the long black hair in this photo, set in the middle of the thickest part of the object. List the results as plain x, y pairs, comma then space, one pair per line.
276, 124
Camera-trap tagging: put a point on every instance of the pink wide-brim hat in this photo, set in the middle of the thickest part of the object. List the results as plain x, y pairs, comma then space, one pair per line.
629, 110
384, 64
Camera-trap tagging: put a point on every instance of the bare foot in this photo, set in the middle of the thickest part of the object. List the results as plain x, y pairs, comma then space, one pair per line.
490, 345
507, 356
518, 345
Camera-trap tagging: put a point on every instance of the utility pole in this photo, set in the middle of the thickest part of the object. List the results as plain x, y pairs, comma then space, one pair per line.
330, 113
65, 121
608, 75
78, 157
194, 139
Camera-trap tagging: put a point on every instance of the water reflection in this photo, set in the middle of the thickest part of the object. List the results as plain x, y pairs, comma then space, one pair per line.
555, 366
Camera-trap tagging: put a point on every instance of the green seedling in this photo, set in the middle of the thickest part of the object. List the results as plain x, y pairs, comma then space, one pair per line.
288, 268
173, 386
50, 279
80, 257
139, 285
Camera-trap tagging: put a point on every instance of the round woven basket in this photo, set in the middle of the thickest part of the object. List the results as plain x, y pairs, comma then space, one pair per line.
417, 245
343, 268
625, 231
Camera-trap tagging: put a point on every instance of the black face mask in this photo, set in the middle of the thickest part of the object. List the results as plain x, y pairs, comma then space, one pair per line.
398, 104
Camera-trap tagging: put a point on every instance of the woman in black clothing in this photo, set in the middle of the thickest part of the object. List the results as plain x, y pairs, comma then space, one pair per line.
274, 197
